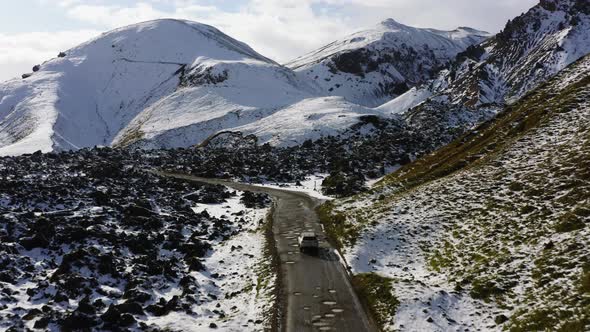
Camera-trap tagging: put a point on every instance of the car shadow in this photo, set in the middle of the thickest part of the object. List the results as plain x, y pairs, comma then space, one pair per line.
327, 254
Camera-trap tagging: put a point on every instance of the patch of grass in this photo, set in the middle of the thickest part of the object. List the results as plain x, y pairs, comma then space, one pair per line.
536, 320
376, 293
131, 137
569, 222
582, 211
527, 209
484, 289
516, 186
441, 258
267, 276
338, 230
548, 319
585, 282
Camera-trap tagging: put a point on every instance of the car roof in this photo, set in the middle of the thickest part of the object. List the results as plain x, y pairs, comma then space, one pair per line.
308, 234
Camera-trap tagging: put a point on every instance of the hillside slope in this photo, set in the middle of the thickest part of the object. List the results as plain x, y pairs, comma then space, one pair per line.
491, 231
373, 66
530, 49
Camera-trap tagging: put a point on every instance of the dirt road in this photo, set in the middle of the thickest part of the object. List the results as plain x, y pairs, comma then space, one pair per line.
318, 294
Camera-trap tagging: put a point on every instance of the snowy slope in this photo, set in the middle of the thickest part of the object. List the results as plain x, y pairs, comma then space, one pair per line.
309, 119
251, 91
93, 93
490, 232
532, 48
406, 101
372, 66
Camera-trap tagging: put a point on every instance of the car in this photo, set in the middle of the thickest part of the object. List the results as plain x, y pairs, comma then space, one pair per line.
309, 242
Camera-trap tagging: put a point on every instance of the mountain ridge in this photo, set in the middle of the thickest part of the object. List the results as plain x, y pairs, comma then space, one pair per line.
530, 49
374, 65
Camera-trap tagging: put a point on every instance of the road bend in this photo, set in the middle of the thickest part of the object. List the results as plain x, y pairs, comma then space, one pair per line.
319, 296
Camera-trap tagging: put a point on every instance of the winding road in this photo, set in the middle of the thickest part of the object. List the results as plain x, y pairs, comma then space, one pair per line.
317, 294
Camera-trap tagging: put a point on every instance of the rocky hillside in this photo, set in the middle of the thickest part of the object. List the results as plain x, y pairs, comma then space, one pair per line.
373, 66
530, 49
490, 232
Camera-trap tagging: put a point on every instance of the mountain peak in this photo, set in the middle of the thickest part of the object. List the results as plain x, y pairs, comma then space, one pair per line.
128, 72
372, 66
472, 30
392, 24
189, 37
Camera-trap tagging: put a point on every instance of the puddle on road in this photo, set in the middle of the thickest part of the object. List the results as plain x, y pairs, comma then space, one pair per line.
316, 317
332, 291
297, 293
306, 308
337, 310
289, 262
329, 315
329, 302
316, 296
325, 328
320, 324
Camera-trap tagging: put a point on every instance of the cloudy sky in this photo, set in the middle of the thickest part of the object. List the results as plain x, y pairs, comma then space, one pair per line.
32, 31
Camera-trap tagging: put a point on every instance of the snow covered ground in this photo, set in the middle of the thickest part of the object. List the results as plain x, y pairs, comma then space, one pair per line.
312, 185
241, 293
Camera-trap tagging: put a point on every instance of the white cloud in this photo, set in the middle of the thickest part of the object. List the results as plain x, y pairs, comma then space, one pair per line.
113, 16
20, 52
284, 29
280, 30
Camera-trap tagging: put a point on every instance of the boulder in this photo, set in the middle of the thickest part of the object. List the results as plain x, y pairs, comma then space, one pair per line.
41, 323
137, 296
35, 241
138, 211
77, 321
130, 308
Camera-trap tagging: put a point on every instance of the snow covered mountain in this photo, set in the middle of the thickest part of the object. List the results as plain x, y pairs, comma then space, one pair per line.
530, 49
138, 86
373, 66
88, 96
